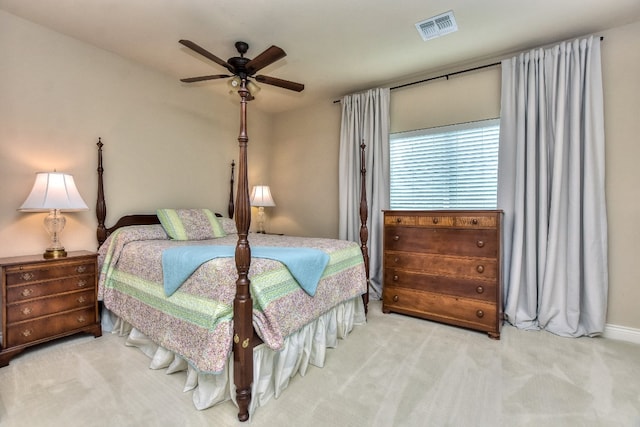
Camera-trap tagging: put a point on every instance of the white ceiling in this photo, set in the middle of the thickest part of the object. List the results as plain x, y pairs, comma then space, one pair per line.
334, 47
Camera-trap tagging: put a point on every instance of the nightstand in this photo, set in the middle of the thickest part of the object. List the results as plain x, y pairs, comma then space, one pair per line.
44, 299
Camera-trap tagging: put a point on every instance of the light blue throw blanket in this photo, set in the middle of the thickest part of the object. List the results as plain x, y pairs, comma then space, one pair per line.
306, 265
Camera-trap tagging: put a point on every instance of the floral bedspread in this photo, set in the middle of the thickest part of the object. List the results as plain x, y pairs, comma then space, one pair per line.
196, 321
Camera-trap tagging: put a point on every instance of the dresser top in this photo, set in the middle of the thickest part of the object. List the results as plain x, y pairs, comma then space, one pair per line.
40, 258
443, 212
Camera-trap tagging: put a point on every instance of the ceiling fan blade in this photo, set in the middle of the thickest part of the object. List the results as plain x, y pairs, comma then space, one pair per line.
191, 45
203, 78
267, 57
286, 84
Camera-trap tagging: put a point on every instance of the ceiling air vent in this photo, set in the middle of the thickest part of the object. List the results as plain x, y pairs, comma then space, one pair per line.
437, 26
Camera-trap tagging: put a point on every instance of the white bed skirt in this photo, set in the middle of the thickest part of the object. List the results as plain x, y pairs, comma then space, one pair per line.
272, 369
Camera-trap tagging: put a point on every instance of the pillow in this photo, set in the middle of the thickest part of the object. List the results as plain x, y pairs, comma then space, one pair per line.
228, 225
190, 224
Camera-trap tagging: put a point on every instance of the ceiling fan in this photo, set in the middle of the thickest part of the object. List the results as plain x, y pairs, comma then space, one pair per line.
242, 67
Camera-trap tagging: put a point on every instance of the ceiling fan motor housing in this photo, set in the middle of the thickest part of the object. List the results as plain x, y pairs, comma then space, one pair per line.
239, 65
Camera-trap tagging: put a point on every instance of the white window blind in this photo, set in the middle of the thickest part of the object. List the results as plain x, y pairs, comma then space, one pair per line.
449, 167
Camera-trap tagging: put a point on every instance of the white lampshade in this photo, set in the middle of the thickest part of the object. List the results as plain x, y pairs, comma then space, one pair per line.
54, 190
261, 196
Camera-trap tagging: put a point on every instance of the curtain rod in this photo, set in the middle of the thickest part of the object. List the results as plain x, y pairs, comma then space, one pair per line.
452, 74
445, 75
439, 77
468, 70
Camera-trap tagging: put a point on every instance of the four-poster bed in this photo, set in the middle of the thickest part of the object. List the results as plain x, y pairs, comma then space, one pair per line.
350, 284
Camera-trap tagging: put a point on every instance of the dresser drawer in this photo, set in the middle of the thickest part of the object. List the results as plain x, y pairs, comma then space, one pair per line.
479, 243
467, 267
51, 287
450, 285
443, 219
49, 305
477, 221
47, 327
419, 220
443, 308
17, 275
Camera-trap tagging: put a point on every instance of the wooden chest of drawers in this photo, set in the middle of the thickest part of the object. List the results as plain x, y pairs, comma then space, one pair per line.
444, 266
43, 299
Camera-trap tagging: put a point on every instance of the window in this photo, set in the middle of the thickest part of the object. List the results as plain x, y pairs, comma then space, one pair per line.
450, 167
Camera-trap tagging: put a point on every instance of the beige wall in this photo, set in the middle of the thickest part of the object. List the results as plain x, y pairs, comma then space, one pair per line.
621, 74
462, 98
171, 143
475, 96
304, 171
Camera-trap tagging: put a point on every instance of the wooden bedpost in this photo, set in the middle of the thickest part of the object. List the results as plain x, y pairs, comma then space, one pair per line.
101, 206
364, 212
243, 304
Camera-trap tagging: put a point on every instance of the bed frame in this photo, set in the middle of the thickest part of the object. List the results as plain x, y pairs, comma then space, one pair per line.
244, 338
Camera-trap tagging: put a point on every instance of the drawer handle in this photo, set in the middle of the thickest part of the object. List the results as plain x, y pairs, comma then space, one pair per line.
480, 243
435, 220
27, 276
480, 313
395, 278
26, 311
26, 292
81, 268
81, 299
27, 332
396, 238
480, 289
82, 283
474, 221
480, 269
82, 319
396, 298
396, 260
398, 220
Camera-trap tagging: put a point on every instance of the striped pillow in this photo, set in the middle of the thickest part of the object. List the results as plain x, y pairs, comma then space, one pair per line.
190, 224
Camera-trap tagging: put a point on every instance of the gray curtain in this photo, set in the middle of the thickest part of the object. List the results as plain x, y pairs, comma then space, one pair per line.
365, 118
551, 187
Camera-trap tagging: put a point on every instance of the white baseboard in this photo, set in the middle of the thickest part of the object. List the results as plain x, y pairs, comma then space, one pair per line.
622, 333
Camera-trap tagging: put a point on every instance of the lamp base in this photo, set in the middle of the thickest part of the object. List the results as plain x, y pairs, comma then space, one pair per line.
54, 253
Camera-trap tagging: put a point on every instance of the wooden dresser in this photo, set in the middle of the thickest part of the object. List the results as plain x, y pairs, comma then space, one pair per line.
444, 266
43, 299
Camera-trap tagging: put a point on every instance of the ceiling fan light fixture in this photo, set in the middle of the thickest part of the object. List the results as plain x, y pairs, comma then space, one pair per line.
437, 26
234, 84
252, 88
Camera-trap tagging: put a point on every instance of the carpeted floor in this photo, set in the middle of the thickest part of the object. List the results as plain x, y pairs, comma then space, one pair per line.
395, 371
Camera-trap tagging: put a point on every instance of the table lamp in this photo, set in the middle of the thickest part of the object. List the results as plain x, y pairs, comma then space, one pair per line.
261, 197
54, 192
